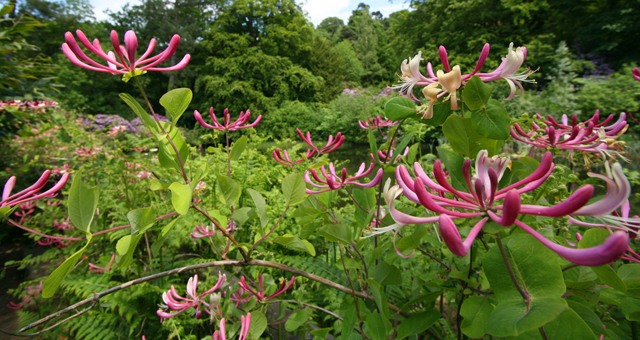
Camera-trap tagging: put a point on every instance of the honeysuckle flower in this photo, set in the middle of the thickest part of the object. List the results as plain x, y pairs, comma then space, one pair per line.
430, 92
286, 160
411, 75
384, 159
30, 193
64, 225
238, 298
126, 62
332, 143
485, 202
201, 231
140, 149
636, 74
332, 181
61, 171
451, 82
245, 323
376, 122
176, 302
47, 241
101, 270
29, 294
240, 123
508, 71
284, 286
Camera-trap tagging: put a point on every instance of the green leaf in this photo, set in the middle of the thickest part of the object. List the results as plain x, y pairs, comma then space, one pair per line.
237, 148
380, 297
141, 219
412, 241
417, 323
321, 333
127, 258
54, 280
180, 197
588, 316
568, 325
122, 246
157, 245
294, 189
336, 233
594, 237
441, 111
258, 325
295, 242
631, 308
400, 108
403, 144
387, 274
475, 311
476, 93
630, 275
465, 140
376, 325
493, 121
149, 122
261, 209
589, 291
64, 136
176, 102
218, 216
537, 270
296, 320
349, 322
82, 203
373, 145
243, 214
230, 190
428, 297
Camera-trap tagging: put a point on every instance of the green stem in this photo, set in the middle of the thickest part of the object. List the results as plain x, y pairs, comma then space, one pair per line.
525, 295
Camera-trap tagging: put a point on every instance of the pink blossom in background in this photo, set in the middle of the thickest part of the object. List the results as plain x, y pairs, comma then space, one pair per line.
259, 294
332, 181
245, 323
101, 270
61, 171
175, 302
126, 55
376, 122
29, 294
240, 123
285, 160
331, 145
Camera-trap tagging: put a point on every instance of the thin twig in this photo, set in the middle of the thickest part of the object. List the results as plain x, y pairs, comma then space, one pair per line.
355, 300
270, 231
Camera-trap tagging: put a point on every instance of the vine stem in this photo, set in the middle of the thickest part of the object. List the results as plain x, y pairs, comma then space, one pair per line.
97, 296
270, 231
228, 156
355, 299
181, 163
525, 295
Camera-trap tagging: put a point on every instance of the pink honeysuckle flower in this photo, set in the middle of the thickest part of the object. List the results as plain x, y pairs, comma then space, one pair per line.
240, 123
126, 62
485, 201
260, 294
201, 231
382, 154
61, 171
238, 298
376, 122
508, 71
176, 302
332, 143
332, 181
29, 294
64, 225
47, 241
636, 74
101, 270
286, 160
245, 323
140, 149
30, 193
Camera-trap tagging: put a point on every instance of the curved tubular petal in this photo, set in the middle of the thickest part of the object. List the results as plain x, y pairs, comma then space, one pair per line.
510, 209
221, 280
406, 183
531, 186
426, 179
74, 59
429, 203
618, 191
373, 182
168, 52
198, 117
8, 187
395, 246
576, 201
438, 172
452, 237
483, 56
612, 248
131, 43
443, 58
545, 164
35, 186
179, 66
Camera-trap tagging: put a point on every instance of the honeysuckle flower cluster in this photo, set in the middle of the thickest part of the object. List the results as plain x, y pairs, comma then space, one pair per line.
285, 160
384, 159
101, 270
245, 323
331, 145
126, 62
48, 241
284, 286
61, 171
64, 225
33, 105
484, 201
175, 302
376, 122
30, 293
451, 79
240, 123
588, 136
30, 193
201, 230
332, 181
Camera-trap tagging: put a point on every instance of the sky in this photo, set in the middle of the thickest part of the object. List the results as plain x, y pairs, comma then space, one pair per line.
317, 9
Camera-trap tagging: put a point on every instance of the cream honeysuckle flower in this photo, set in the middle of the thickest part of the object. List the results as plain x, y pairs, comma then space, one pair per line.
451, 82
507, 70
411, 75
431, 92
